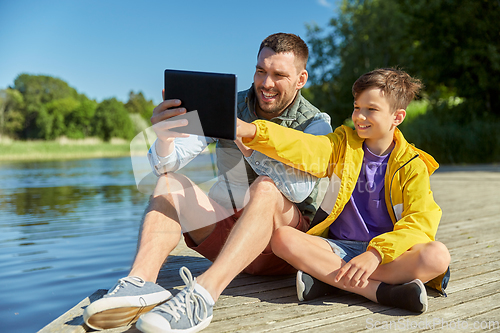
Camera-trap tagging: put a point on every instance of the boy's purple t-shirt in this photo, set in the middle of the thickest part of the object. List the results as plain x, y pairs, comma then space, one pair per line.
365, 215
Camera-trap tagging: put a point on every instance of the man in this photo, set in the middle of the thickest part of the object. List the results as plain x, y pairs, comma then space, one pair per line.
217, 226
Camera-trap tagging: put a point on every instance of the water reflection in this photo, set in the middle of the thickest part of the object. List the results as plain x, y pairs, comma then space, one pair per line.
67, 228
45, 200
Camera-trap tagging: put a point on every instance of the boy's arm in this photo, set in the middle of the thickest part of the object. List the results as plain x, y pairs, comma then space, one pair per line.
302, 151
294, 184
418, 221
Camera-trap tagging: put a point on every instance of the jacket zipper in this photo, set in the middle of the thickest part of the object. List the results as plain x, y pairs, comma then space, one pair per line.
390, 185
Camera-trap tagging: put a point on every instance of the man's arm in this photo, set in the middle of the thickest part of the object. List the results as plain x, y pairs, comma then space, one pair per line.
172, 150
184, 151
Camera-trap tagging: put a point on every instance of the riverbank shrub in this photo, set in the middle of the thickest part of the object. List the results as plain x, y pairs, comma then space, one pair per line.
451, 138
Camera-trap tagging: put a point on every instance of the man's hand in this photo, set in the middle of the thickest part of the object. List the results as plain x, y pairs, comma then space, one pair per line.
161, 125
359, 269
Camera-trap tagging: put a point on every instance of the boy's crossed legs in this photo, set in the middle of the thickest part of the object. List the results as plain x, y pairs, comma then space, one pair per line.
423, 262
267, 210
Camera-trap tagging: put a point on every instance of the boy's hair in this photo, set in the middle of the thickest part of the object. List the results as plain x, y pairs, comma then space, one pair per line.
283, 42
398, 87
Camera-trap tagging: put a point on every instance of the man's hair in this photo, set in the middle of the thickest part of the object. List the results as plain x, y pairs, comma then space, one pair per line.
398, 87
283, 42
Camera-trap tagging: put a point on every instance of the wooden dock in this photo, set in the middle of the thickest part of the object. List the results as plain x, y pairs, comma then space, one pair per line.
470, 227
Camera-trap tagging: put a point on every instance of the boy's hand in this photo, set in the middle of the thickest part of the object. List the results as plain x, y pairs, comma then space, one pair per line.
245, 130
357, 271
247, 152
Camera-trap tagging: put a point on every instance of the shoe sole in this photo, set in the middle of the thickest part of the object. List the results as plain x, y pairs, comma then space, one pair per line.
146, 327
115, 312
117, 317
423, 294
300, 286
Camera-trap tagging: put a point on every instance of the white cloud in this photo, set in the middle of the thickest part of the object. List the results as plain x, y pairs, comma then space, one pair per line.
324, 3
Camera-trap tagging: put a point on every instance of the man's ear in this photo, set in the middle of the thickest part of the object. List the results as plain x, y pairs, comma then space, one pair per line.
399, 116
303, 76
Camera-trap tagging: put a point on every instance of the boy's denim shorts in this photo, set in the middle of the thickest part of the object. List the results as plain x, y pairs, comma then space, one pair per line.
346, 249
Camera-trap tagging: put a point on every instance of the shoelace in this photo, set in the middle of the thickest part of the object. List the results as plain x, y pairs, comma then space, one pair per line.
137, 281
186, 301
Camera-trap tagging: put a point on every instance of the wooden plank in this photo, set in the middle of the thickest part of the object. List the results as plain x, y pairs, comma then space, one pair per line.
375, 315
488, 321
323, 321
470, 228
451, 317
72, 321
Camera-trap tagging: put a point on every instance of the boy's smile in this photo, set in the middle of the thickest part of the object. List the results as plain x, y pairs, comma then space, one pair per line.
375, 121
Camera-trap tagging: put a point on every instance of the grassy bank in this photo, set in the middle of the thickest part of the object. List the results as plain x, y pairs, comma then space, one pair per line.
12, 150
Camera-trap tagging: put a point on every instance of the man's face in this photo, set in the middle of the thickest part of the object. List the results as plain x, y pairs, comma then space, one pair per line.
276, 81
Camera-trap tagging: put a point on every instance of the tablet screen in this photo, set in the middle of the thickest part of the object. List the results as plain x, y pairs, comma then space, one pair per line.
210, 101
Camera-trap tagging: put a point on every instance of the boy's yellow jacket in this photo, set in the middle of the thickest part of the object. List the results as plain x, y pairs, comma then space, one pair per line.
339, 156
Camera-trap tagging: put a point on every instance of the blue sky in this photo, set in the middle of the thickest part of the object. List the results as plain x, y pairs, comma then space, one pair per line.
107, 48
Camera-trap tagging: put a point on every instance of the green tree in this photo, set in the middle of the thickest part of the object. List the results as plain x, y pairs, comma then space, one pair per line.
11, 114
51, 121
457, 51
363, 36
112, 120
137, 103
38, 91
452, 45
41, 89
79, 123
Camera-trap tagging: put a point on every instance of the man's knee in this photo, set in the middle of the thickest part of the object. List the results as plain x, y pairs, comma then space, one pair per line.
170, 189
436, 256
164, 198
263, 186
171, 183
281, 240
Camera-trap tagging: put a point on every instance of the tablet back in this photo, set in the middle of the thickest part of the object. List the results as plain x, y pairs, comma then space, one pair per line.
211, 95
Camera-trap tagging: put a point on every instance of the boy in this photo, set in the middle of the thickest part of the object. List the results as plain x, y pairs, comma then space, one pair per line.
374, 234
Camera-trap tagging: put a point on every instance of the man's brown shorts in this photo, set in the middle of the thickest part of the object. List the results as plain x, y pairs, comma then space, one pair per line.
265, 264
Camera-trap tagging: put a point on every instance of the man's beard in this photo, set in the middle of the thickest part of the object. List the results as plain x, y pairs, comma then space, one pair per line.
278, 107
273, 110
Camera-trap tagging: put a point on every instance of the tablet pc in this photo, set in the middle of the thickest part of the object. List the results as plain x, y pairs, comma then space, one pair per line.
210, 101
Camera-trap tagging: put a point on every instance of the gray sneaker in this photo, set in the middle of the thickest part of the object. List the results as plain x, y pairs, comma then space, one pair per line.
124, 303
187, 312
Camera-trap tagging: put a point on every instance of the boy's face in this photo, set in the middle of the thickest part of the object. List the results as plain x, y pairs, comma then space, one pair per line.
374, 119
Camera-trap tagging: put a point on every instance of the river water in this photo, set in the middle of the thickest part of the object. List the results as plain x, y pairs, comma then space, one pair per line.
67, 228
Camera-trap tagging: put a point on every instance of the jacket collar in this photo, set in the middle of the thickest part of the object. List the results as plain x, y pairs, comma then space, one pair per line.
402, 152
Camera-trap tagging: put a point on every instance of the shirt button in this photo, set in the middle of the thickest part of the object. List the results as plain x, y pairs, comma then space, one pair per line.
257, 163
